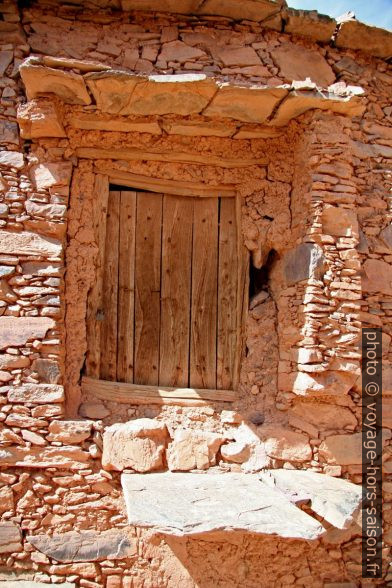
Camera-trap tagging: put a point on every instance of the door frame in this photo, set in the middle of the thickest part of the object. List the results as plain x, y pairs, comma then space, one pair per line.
136, 393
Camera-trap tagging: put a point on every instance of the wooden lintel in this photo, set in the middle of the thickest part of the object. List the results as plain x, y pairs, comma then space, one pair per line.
169, 156
138, 394
163, 186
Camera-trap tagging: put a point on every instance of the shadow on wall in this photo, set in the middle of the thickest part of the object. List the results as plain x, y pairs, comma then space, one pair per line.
245, 559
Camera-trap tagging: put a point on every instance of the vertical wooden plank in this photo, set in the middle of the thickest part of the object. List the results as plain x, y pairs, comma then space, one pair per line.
110, 291
242, 291
126, 287
204, 294
147, 287
227, 294
176, 290
95, 298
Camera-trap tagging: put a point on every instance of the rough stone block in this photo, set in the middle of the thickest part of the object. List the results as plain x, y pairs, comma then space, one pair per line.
47, 175
5, 59
327, 383
120, 93
12, 33
295, 62
280, 443
68, 86
93, 410
48, 370
179, 52
16, 331
248, 104
13, 361
359, 36
298, 102
12, 159
40, 118
193, 450
181, 6
85, 545
73, 432
9, 132
137, 445
377, 276
68, 458
35, 393
181, 94
339, 222
305, 261
342, 449
29, 243
324, 417
236, 452
247, 9
309, 23
240, 56
10, 537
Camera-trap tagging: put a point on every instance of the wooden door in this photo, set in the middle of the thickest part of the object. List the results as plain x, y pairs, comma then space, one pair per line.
170, 292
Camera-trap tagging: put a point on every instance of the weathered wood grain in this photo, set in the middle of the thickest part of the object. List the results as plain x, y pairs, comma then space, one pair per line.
242, 292
95, 298
126, 287
172, 156
138, 394
227, 294
176, 290
147, 290
110, 291
204, 294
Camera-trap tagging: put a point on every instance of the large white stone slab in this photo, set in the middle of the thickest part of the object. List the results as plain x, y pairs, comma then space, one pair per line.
334, 499
193, 504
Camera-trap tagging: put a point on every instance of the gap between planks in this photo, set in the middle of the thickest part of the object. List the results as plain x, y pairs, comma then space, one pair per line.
163, 186
138, 394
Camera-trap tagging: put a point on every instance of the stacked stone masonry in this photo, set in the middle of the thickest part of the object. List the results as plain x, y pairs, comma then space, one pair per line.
298, 126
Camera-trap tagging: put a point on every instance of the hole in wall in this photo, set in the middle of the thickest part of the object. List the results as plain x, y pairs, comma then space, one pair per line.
259, 277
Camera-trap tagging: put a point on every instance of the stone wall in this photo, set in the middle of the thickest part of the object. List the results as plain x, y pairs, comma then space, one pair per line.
315, 215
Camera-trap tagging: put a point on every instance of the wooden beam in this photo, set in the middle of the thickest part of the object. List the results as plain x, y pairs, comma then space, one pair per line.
163, 186
227, 294
176, 290
126, 287
147, 288
202, 363
95, 298
242, 292
138, 394
110, 290
169, 156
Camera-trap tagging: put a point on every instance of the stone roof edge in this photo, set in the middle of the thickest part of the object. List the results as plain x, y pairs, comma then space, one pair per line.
298, 21
345, 32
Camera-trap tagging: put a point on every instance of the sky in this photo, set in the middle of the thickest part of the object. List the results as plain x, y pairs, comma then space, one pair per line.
374, 12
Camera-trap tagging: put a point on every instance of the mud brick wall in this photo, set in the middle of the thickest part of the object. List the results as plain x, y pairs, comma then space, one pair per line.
315, 217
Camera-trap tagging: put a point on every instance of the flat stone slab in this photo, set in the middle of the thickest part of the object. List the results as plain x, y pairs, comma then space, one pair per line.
16, 331
123, 93
334, 499
10, 537
194, 504
85, 545
28, 243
